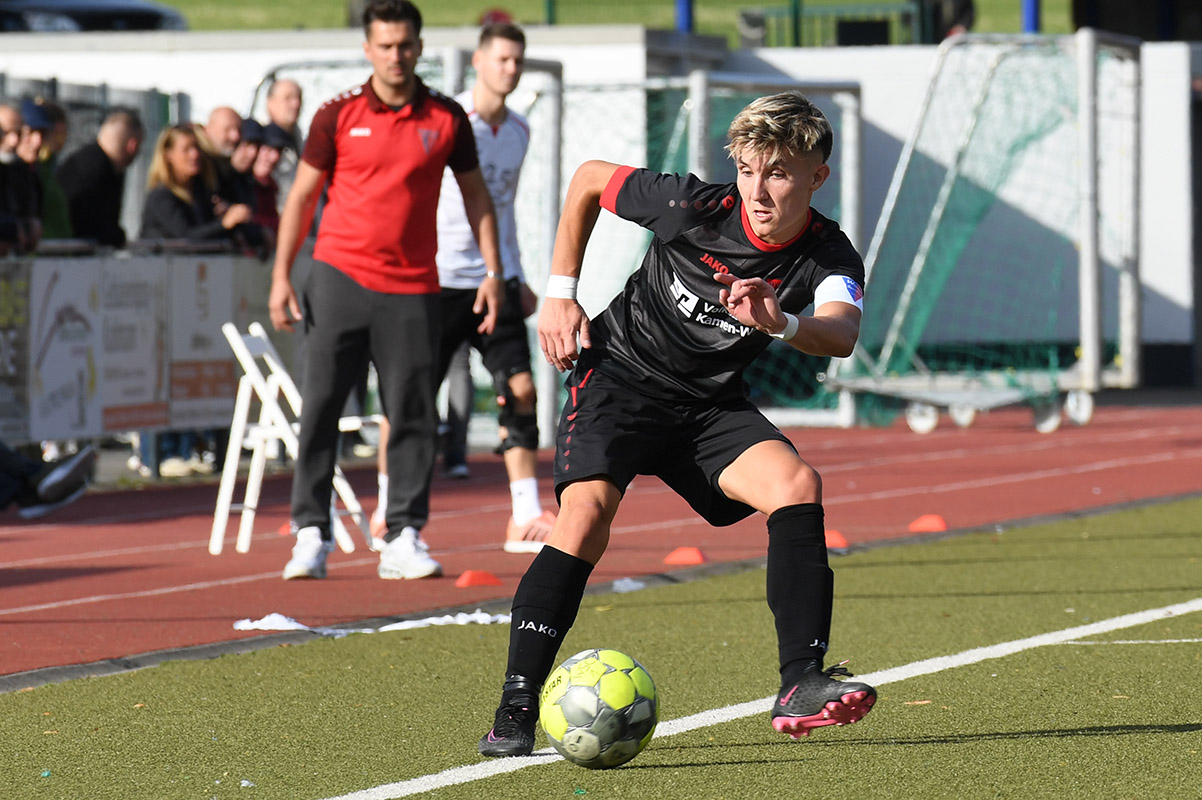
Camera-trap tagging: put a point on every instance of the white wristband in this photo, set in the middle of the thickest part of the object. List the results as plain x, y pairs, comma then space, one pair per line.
792, 323
561, 286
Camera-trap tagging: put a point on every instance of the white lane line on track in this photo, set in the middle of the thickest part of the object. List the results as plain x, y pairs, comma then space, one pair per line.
188, 587
945, 454
269, 576
1021, 477
705, 719
982, 483
206, 510
977, 453
1121, 463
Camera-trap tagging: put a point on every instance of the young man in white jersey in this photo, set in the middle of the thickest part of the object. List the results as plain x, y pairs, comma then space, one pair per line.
502, 138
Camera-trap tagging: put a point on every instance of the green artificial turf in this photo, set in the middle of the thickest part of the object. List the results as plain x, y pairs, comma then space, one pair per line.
338, 715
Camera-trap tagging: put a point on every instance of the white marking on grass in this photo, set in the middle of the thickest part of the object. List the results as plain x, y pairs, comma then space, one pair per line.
705, 719
1139, 641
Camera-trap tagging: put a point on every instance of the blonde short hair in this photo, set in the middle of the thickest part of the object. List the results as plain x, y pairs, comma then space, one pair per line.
778, 124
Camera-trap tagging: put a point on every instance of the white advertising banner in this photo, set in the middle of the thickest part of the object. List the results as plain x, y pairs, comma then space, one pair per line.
102, 344
202, 377
64, 349
133, 387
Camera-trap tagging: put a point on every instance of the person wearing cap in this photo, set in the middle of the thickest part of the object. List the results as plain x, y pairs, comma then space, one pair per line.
237, 184
267, 189
41, 153
234, 184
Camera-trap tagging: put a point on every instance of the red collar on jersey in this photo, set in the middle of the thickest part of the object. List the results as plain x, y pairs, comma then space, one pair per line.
769, 247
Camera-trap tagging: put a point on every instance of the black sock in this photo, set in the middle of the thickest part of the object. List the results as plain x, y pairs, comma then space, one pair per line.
544, 608
800, 587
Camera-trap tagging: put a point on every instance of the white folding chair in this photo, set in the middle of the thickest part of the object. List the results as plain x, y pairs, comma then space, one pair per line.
273, 428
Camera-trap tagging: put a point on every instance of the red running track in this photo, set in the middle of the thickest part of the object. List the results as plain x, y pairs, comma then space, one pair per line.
128, 572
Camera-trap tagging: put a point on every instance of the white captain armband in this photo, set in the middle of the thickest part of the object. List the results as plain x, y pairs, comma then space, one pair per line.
839, 289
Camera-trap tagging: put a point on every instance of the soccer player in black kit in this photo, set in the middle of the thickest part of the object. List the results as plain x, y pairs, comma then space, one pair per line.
656, 387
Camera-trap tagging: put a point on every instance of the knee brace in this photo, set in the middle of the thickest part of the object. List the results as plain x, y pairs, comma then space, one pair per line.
522, 429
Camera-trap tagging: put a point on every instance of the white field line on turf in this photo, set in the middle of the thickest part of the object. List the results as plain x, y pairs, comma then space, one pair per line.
705, 719
1139, 641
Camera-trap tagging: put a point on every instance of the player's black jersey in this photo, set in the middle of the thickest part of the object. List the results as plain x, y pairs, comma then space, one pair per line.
666, 333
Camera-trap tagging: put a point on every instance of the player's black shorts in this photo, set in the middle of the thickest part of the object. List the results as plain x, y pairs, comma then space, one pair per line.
505, 351
609, 429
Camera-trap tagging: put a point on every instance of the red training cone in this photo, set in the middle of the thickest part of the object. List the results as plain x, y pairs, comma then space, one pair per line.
477, 577
835, 541
685, 557
928, 523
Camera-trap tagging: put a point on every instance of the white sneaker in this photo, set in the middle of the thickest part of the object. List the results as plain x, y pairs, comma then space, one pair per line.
175, 467
308, 555
407, 557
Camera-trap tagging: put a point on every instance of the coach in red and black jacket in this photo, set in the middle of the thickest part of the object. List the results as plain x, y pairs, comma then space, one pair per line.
380, 151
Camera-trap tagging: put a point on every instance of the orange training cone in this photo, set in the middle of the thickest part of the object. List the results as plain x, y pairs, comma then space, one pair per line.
928, 523
285, 529
477, 577
685, 557
835, 541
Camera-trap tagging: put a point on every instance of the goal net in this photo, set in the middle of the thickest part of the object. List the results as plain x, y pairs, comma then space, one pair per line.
1003, 266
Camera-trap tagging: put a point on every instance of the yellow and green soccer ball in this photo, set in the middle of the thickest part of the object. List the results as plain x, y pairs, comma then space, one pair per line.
598, 708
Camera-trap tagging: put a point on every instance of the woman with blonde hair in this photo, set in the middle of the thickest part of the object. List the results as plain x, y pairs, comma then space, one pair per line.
179, 203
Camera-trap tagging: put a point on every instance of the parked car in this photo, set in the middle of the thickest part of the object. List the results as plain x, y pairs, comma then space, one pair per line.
61, 16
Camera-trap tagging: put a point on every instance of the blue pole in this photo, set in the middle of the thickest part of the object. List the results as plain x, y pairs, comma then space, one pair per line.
1031, 16
684, 16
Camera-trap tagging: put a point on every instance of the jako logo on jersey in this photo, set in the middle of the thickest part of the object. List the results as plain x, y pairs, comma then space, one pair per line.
714, 264
360, 131
429, 138
527, 625
853, 288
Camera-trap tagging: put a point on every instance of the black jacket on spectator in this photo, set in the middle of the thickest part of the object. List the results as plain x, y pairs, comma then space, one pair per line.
94, 190
20, 198
165, 216
20, 189
233, 186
